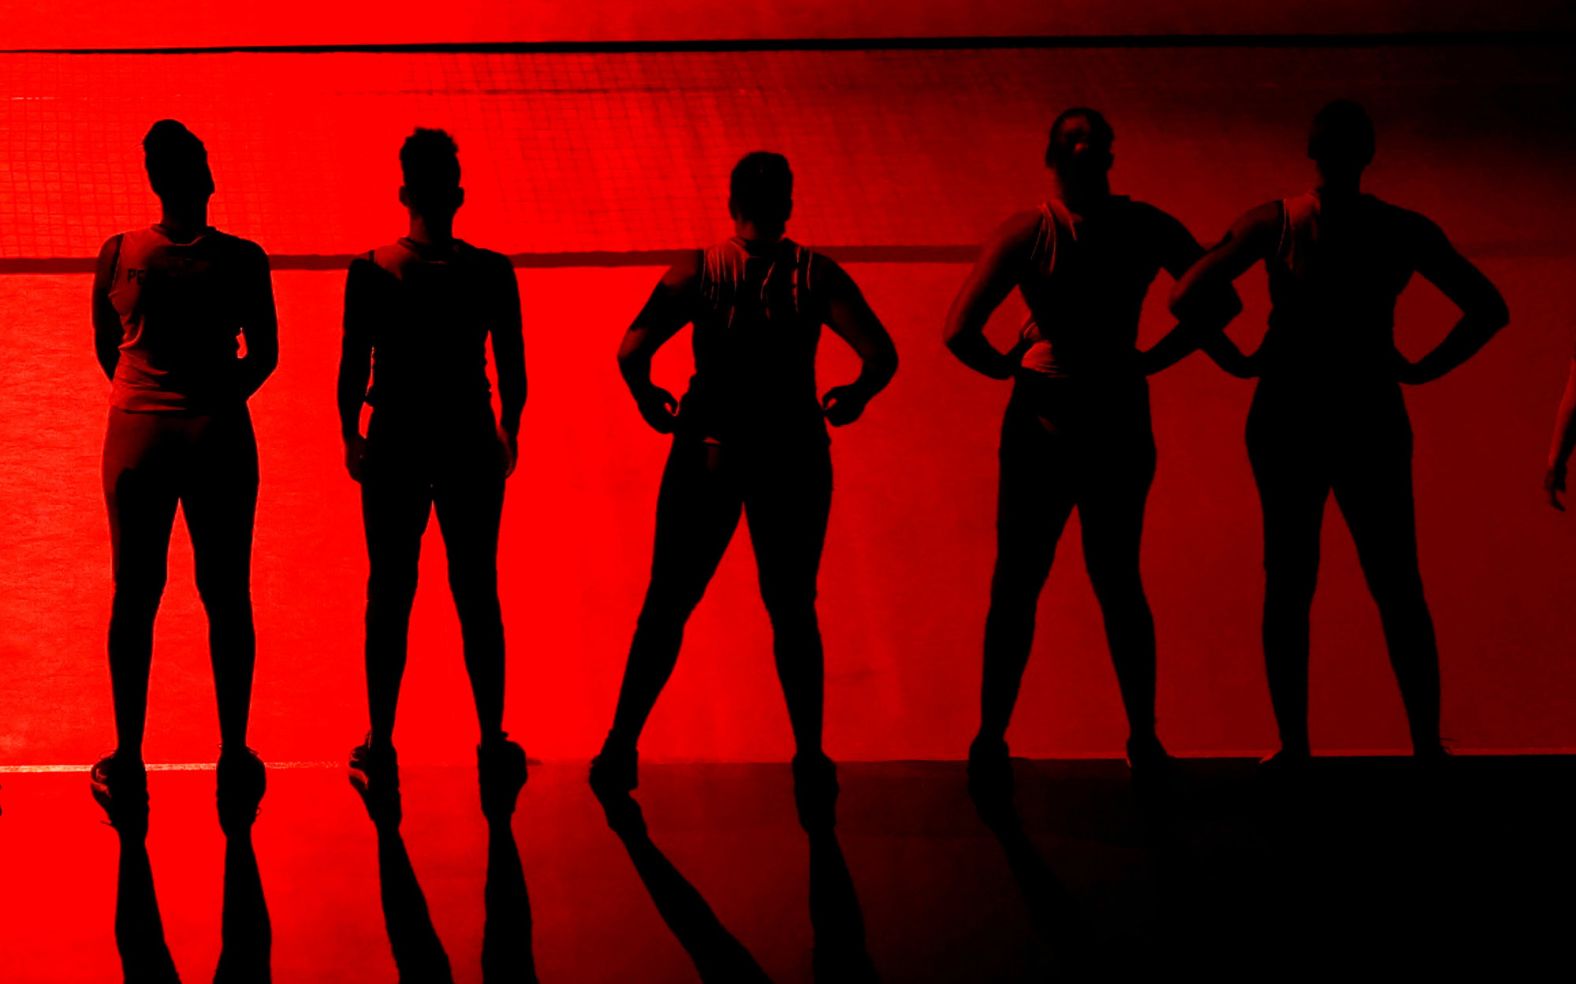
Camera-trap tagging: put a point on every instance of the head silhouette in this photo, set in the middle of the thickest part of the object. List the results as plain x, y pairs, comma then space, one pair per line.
1341, 140
177, 165
430, 162
760, 191
1079, 146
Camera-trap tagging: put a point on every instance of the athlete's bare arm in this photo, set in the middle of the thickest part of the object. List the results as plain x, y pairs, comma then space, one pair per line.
849, 315
1483, 311
106, 322
355, 360
259, 323
508, 345
996, 272
670, 307
1250, 239
1564, 442
1179, 251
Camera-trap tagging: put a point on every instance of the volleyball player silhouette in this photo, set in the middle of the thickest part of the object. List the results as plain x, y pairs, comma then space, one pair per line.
1563, 443
171, 305
1328, 414
1076, 432
749, 436
418, 316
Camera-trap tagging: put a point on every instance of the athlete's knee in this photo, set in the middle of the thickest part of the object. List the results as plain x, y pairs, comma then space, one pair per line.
137, 593
227, 590
1401, 598
1116, 581
1015, 588
670, 599
1290, 579
391, 587
789, 596
479, 610
470, 583
791, 611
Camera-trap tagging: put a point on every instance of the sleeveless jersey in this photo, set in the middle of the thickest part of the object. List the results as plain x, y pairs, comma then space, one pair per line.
427, 311
755, 333
181, 307
1333, 289
1085, 285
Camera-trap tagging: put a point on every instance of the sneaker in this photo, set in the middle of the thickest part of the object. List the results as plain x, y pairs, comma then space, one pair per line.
501, 771
374, 772
1284, 766
815, 791
120, 786
990, 768
242, 780
1148, 757
615, 769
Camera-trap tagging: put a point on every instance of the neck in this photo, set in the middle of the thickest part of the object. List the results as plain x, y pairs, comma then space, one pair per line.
436, 230
1079, 195
751, 232
1340, 189
184, 221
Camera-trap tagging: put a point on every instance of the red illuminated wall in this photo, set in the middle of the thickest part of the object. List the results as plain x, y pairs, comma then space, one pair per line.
570, 154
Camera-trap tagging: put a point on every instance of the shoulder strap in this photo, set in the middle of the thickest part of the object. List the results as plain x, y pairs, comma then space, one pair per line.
1298, 215
1042, 254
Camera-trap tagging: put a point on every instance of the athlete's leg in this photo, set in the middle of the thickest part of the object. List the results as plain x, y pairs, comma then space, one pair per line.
1117, 471
396, 500
1374, 490
697, 511
141, 492
219, 497
1293, 487
1034, 499
786, 503
469, 503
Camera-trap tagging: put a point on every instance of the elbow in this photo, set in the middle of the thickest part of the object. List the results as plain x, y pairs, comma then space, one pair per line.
885, 365
1496, 313
953, 336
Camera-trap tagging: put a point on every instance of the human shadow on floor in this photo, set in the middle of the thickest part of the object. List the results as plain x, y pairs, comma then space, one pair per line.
717, 953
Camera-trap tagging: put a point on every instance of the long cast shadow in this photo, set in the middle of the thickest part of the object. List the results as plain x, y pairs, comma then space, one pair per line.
836, 918
507, 953
139, 931
246, 956
1059, 924
418, 952
717, 953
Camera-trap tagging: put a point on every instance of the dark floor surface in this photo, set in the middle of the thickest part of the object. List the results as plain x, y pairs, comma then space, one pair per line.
1364, 865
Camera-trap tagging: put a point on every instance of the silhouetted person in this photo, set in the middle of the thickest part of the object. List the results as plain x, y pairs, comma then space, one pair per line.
1076, 432
139, 930
1563, 443
838, 922
418, 952
1328, 414
717, 953
418, 317
172, 304
749, 436
247, 952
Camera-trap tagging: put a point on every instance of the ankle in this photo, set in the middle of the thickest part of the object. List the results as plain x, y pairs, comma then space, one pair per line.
618, 744
494, 739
